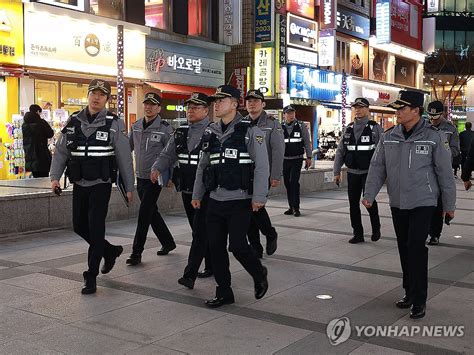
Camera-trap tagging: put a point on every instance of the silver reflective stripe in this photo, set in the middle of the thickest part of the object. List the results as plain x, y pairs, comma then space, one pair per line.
425, 142
183, 156
213, 162
390, 142
192, 162
245, 161
184, 126
194, 156
287, 140
366, 147
296, 140
183, 161
351, 147
214, 155
81, 147
244, 155
92, 154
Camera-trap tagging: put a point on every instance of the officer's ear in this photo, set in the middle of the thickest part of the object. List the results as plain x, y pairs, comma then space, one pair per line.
264, 104
236, 102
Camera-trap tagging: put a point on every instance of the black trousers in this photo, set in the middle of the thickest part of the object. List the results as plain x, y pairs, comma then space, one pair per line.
200, 244
260, 221
436, 226
291, 178
411, 228
89, 210
148, 214
355, 188
39, 174
232, 219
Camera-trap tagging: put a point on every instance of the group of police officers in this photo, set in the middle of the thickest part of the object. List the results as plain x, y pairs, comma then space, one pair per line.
224, 170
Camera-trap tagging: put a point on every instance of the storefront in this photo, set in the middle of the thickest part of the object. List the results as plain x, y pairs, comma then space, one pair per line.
176, 70
11, 68
61, 59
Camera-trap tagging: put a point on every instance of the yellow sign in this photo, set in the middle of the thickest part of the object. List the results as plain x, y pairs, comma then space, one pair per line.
11, 32
263, 70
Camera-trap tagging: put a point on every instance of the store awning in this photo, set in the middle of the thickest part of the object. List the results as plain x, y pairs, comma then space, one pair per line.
175, 91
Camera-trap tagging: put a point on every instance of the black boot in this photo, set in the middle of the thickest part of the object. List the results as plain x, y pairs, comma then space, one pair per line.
109, 261
90, 284
288, 212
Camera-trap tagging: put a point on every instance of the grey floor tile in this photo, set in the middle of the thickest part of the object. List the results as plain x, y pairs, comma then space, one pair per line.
24, 348
15, 296
43, 283
152, 349
370, 349
234, 335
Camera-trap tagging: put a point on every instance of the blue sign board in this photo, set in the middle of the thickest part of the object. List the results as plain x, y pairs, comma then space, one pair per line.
264, 16
352, 24
314, 84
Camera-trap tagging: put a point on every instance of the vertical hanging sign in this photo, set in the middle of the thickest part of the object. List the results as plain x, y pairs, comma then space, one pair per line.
264, 21
120, 66
327, 48
327, 15
263, 70
282, 39
383, 21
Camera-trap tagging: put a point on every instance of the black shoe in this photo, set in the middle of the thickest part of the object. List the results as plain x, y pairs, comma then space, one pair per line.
297, 213
189, 283
165, 251
109, 262
356, 239
219, 301
134, 259
205, 273
272, 245
404, 302
262, 286
433, 241
418, 311
375, 235
90, 284
288, 212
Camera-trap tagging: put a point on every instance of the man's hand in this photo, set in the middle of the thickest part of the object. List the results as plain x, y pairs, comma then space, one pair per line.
467, 185
337, 179
307, 163
256, 206
196, 204
170, 183
129, 197
154, 176
54, 184
450, 214
274, 183
366, 203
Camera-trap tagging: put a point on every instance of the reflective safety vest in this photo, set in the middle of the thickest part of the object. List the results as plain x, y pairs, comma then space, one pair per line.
92, 157
294, 145
230, 164
359, 153
185, 173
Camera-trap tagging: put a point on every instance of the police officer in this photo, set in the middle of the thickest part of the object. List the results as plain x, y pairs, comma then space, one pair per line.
297, 141
255, 104
148, 138
436, 114
234, 168
415, 159
92, 146
184, 147
465, 139
355, 149
468, 167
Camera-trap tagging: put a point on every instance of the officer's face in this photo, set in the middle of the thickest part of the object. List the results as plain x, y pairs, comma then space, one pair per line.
407, 115
225, 106
290, 116
196, 113
435, 119
254, 106
151, 109
361, 111
97, 100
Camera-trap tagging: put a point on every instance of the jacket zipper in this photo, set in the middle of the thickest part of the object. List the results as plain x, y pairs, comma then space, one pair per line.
427, 179
409, 160
146, 145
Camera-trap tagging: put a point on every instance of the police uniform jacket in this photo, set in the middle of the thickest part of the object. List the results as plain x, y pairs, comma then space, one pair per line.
257, 150
274, 141
169, 156
468, 166
417, 169
358, 128
147, 143
453, 136
305, 136
118, 140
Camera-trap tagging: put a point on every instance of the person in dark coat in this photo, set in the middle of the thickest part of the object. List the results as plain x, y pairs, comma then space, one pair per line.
36, 133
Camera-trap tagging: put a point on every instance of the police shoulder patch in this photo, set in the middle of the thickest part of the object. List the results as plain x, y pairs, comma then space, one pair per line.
165, 123
259, 139
446, 146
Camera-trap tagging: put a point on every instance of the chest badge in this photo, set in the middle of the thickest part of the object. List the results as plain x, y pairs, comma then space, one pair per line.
155, 137
71, 130
230, 153
259, 139
365, 139
297, 134
422, 149
102, 136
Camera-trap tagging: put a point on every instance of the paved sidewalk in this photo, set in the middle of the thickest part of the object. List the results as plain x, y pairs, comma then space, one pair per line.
143, 310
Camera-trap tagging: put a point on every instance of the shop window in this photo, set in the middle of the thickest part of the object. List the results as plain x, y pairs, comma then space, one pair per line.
343, 57
73, 96
107, 8
439, 39
449, 5
460, 5
198, 18
448, 39
70, 4
470, 39
470, 6
460, 40
46, 92
157, 13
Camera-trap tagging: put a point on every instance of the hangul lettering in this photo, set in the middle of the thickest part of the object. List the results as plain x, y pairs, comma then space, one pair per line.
5, 50
197, 65
189, 64
180, 62
12, 51
171, 60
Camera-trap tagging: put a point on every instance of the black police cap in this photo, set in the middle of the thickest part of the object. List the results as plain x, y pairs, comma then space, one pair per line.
101, 85
198, 98
435, 108
288, 109
361, 101
224, 91
152, 97
408, 98
254, 94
